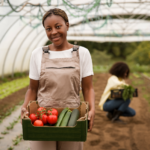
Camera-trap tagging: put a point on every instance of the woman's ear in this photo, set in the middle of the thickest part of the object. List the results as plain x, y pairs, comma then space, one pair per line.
67, 24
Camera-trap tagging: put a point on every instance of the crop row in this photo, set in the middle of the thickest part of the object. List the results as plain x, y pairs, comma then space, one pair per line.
13, 86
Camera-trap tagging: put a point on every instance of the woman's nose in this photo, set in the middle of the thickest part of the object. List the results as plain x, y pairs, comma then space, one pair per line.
54, 31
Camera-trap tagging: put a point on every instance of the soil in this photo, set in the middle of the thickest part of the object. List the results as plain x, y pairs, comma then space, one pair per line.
134, 135
12, 100
105, 135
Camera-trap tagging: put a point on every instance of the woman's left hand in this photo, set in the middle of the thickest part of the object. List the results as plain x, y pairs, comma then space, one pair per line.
91, 115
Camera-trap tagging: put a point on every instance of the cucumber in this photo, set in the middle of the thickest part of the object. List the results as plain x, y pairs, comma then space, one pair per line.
74, 117
66, 118
61, 116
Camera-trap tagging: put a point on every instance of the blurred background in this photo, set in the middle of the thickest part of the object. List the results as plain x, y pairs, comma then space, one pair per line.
112, 30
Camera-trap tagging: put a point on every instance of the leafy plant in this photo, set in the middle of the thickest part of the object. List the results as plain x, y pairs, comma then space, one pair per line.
9, 111
4, 132
11, 125
13, 86
10, 148
128, 92
17, 139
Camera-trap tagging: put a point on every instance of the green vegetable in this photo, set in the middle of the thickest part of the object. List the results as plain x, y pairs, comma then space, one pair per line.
66, 118
61, 116
128, 92
73, 118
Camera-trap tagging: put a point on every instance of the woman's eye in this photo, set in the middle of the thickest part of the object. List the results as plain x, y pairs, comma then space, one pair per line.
57, 27
48, 29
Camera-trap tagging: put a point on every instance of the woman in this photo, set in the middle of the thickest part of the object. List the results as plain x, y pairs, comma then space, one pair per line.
116, 107
55, 74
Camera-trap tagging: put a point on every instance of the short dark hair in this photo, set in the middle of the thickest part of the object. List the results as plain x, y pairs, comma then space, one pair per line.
119, 69
55, 11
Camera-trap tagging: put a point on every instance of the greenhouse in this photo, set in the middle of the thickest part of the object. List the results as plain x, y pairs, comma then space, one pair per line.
97, 21
112, 31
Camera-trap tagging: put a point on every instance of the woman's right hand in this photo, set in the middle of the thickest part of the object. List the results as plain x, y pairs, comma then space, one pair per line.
23, 113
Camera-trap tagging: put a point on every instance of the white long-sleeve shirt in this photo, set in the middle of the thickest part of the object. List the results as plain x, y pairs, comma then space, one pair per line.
113, 83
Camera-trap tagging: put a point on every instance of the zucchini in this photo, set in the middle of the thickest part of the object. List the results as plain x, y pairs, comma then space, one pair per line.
61, 116
66, 118
74, 117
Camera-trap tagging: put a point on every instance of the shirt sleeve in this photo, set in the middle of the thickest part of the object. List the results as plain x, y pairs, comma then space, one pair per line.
87, 66
114, 82
33, 71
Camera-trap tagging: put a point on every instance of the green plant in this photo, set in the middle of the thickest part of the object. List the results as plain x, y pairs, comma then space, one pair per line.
17, 139
1, 137
11, 125
4, 132
127, 92
142, 54
100, 57
146, 74
136, 83
101, 68
10, 148
13, 86
9, 111
137, 75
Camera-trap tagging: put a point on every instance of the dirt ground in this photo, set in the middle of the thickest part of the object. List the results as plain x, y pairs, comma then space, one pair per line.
12, 100
134, 135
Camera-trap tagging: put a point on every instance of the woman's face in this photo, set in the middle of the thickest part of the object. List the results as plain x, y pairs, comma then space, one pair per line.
126, 74
56, 29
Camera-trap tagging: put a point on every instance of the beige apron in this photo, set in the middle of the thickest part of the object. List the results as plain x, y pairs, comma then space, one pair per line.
59, 86
59, 83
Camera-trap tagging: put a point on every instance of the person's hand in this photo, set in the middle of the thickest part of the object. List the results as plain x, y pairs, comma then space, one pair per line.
23, 112
91, 116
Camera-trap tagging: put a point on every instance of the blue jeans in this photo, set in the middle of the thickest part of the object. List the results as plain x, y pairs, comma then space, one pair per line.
120, 105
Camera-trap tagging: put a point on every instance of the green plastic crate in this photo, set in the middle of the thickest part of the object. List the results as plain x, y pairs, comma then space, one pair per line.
52, 133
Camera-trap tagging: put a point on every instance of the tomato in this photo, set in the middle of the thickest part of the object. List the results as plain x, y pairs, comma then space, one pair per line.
44, 118
33, 117
38, 123
41, 110
53, 111
52, 119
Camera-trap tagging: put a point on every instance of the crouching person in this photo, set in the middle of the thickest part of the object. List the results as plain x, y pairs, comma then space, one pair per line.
116, 107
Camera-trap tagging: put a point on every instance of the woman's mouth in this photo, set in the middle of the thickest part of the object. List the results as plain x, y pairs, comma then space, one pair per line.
56, 38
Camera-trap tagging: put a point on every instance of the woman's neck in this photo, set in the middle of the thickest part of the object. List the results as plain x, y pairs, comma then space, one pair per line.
62, 47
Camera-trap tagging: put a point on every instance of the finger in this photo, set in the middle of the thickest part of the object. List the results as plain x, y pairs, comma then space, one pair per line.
23, 110
89, 116
90, 125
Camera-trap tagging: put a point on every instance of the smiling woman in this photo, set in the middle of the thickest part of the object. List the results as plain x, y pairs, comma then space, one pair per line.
56, 71
56, 25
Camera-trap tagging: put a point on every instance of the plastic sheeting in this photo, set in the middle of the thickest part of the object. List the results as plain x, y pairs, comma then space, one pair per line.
21, 32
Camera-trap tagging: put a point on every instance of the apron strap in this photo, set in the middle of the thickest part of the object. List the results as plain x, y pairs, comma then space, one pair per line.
75, 51
45, 49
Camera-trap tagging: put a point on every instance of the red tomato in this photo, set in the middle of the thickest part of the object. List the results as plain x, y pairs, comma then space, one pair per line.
44, 118
52, 119
53, 111
38, 123
33, 117
41, 110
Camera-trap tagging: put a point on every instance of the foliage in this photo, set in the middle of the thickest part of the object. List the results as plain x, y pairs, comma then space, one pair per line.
9, 78
141, 55
127, 92
101, 68
138, 68
13, 86
17, 139
99, 57
12, 124
115, 49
